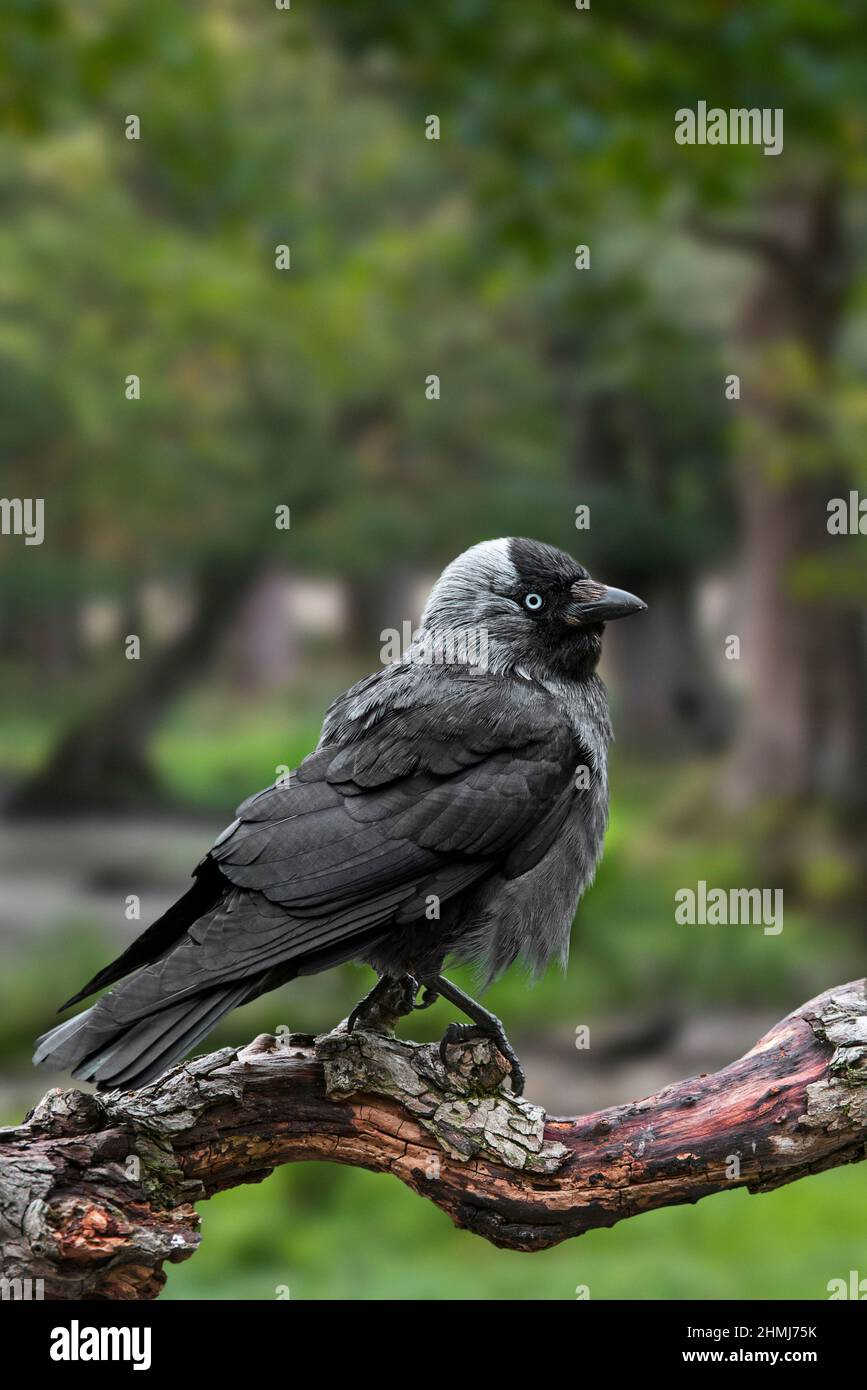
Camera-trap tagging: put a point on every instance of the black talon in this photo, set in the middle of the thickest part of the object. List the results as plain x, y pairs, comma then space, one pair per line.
484, 1025
511, 1056
457, 1033
465, 1032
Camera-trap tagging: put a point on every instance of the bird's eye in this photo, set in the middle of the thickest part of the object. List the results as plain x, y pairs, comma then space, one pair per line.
534, 602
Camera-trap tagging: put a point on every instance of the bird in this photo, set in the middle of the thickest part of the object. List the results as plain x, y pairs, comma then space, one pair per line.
452, 812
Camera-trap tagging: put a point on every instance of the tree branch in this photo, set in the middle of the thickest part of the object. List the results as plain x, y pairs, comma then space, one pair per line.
97, 1192
752, 241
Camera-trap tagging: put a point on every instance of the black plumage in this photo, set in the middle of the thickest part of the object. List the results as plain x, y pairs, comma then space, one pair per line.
441, 817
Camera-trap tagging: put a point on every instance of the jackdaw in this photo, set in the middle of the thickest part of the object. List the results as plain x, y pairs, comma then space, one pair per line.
454, 809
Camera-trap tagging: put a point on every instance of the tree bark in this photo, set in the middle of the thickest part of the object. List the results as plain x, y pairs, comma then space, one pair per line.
97, 1192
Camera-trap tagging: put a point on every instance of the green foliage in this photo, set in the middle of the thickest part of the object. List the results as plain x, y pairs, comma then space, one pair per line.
559, 106
306, 387
258, 387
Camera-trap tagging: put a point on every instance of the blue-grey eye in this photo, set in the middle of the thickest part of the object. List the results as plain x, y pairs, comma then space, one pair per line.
534, 602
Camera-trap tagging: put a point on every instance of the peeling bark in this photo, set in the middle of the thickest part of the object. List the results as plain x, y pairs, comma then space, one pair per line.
97, 1193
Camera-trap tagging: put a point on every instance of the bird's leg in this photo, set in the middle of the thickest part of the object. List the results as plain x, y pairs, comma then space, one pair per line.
391, 998
484, 1024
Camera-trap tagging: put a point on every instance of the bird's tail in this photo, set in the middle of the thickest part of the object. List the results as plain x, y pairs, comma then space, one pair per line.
94, 1046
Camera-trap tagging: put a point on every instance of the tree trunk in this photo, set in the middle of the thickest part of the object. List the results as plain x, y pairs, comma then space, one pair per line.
101, 763
264, 653
663, 693
381, 602
802, 733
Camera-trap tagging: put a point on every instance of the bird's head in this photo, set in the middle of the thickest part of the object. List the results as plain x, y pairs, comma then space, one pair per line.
527, 606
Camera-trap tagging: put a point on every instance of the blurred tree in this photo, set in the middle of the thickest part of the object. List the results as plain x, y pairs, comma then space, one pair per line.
259, 388
648, 454
804, 728
412, 256
566, 119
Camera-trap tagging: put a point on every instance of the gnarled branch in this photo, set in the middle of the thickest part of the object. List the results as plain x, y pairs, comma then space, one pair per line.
97, 1192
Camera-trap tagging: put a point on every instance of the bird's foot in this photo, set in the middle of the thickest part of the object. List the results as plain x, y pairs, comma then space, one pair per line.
493, 1030
391, 999
429, 997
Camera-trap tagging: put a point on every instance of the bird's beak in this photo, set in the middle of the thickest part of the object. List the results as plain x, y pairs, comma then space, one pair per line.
599, 603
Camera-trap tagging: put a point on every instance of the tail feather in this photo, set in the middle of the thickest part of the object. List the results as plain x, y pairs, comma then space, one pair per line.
57, 1048
157, 1015
128, 1067
161, 934
95, 1048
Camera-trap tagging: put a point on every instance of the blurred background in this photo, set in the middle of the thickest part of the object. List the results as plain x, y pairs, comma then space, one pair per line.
306, 388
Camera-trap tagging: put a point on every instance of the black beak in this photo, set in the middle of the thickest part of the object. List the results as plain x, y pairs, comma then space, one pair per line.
599, 603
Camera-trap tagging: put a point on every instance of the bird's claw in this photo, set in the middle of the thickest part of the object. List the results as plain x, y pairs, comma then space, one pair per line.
429, 997
356, 1014
390, 999
465, 1032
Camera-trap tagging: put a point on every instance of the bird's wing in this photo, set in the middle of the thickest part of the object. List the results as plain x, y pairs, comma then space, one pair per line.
466, 773
425, 802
